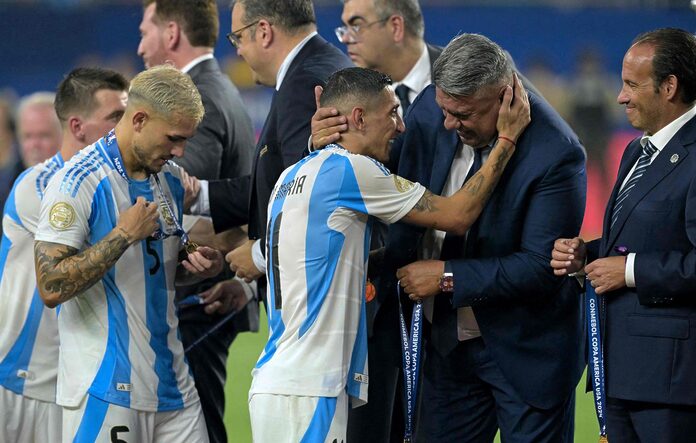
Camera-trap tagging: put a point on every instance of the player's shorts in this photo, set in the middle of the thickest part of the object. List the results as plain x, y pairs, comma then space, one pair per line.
27, 420
293, 419
95, 420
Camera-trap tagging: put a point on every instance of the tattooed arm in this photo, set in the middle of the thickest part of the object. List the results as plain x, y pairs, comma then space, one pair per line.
458, 212
63, 272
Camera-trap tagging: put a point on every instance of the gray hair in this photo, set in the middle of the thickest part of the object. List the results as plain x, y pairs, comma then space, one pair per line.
38, 99
289, 15
469, 63
408, 9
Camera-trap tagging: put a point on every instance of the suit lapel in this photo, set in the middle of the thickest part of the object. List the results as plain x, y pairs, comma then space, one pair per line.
446, 147
666, 161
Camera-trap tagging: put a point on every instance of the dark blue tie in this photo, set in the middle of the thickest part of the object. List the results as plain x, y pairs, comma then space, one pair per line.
643, 163
402, 93
444, 332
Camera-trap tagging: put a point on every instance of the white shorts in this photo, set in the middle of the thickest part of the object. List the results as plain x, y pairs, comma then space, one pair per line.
293, 419
26, 420
98, 421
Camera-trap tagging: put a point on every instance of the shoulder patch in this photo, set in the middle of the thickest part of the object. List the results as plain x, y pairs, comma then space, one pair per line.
62, 216
402, 184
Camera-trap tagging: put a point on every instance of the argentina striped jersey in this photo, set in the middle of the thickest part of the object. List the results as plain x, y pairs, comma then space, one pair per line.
29, 331
118, 339
320, 216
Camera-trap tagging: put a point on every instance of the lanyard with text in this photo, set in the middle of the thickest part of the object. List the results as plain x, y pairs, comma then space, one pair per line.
110, 144
411, 347
595, 359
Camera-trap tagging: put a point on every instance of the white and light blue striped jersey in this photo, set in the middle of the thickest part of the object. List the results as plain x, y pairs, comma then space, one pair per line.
319, 221
29, 331
119, 338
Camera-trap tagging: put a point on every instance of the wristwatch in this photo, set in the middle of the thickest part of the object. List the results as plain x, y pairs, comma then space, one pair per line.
447, 279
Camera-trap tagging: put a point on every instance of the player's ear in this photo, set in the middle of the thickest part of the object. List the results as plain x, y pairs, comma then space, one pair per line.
357, 118
139, 120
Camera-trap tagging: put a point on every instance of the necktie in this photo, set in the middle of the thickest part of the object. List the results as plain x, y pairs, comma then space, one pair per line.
643, 163
444, 331
402, 93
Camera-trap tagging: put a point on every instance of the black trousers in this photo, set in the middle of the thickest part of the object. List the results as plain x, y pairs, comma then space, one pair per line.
208, 363
642, 422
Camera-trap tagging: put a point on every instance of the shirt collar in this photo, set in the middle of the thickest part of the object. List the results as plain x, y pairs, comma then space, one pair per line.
419, 76
664, 135
190, 65
289, 58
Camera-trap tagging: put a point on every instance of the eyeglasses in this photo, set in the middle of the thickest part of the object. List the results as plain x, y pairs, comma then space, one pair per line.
352, 31
235, 37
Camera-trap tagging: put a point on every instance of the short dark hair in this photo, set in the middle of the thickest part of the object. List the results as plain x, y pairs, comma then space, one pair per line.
351, 87
197, 18
75, 94
289, 15
675, 54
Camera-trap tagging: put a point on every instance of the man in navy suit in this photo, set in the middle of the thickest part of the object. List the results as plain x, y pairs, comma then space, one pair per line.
279, 41
506, 345
644, 266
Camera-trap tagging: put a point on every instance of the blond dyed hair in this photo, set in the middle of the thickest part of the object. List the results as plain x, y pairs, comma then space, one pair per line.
168, 92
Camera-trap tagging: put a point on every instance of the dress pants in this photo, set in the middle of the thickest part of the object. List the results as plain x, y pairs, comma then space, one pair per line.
642, 422
466, 398
208, 363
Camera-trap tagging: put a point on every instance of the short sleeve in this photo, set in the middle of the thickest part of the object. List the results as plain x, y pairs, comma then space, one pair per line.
65, 213
386, 196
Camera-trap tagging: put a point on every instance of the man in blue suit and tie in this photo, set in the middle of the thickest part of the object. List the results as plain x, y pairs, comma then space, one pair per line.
644, 266
506, 345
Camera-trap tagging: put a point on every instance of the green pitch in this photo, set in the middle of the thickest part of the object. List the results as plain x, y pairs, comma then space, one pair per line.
246, 350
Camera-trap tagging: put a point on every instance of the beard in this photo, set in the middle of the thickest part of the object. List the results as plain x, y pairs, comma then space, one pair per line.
141, 161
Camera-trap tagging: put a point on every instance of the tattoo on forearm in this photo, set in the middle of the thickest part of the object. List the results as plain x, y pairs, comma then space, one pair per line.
425, 204
476, 183
62, 271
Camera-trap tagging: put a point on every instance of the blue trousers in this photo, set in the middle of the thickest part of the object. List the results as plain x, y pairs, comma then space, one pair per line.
466, 398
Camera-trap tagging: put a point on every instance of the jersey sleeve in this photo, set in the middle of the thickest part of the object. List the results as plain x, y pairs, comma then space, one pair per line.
386, 196
65, 213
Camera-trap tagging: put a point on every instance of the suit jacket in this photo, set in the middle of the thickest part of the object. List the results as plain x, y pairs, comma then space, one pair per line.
221, 148
282, 141
530, 320
650, 353
224, 141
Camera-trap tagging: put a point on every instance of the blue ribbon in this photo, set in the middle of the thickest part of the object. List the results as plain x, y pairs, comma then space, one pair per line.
595, 358
411, 347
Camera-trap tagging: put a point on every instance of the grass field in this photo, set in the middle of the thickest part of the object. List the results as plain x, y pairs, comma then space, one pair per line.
247, 347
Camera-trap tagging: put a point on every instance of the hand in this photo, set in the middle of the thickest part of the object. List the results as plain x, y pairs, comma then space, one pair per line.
205, 262
421, 279
139, 221
568, 255
607, 274
224, 297
327, 125
514, 114
242, 263
192, 187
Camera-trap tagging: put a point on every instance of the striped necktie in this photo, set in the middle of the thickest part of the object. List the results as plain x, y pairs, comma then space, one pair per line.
643, 163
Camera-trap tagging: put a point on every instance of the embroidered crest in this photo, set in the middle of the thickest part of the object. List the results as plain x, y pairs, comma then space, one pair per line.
62, 216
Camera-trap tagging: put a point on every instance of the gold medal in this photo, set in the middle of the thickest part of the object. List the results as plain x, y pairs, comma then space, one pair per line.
191, 247
603, 439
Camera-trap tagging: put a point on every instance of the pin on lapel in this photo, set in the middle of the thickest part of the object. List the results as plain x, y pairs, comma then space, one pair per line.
674, 158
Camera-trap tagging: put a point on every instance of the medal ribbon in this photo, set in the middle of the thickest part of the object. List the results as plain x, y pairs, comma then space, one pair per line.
110, 144
185, 241
411, 346
596, 358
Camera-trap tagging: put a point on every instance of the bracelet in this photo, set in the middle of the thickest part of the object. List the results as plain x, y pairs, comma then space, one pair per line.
508, 139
